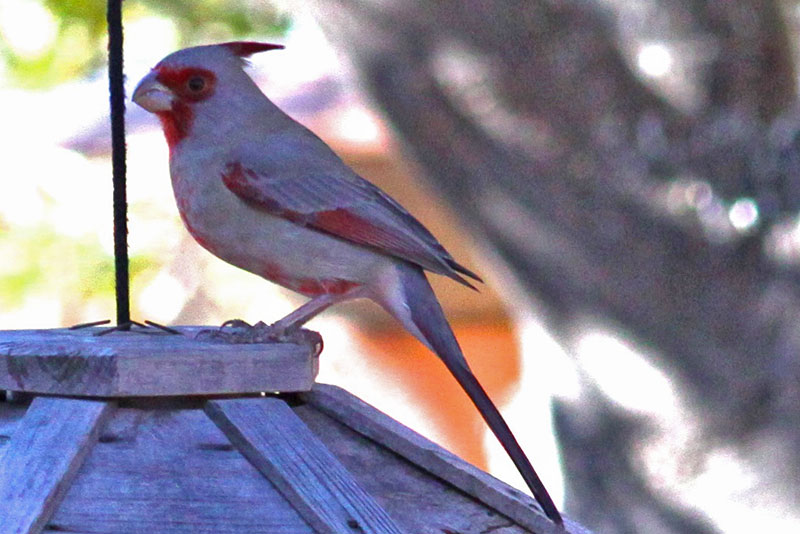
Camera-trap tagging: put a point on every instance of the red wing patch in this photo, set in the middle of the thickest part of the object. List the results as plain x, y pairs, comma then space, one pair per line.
242, 182
339, 222
346, 224
391, 230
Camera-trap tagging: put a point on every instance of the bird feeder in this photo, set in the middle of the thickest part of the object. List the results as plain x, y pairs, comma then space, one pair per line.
157, 433
148, 432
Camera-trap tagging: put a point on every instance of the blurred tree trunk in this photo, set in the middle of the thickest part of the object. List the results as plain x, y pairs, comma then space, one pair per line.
752, 69
527, 114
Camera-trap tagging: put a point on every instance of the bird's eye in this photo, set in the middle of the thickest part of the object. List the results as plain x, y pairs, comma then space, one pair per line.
196, 84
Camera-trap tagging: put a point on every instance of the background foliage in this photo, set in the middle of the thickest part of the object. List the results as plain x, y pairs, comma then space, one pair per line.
79, 41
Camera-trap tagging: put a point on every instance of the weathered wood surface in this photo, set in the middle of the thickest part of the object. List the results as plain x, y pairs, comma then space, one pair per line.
10, 415
374, 424
46, 449
420, 502
282, 447
78, 363
169, 471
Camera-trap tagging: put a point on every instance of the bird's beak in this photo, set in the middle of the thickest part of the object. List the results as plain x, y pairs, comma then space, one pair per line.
152, 95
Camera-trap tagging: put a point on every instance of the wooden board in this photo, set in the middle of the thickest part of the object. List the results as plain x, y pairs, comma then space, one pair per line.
78, 363
271, 436
171, 471
420, 502
47, 447
10, 415
377, 426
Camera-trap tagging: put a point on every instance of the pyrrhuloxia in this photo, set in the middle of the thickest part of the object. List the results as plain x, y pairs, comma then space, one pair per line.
262, 192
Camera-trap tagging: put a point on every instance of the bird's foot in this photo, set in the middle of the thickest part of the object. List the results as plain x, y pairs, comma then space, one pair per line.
236, 323
239, 331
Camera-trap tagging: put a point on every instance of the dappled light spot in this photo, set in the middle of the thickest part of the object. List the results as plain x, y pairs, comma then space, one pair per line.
654, 59
743, 214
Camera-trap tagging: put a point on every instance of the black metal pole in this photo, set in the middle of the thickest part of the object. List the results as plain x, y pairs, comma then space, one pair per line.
117, 98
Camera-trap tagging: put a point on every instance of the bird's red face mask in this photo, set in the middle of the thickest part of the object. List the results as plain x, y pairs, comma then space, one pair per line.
159, 90
170, 89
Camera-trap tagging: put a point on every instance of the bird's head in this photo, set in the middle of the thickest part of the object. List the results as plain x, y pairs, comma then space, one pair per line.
187, 79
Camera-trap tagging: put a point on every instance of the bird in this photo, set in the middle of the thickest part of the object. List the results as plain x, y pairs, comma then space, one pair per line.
262, 192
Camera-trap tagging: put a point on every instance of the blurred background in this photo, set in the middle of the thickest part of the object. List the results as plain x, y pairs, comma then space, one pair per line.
624, 174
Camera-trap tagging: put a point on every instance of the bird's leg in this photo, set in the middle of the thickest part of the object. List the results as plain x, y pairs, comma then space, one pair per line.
238, 331
311, 309
302, 315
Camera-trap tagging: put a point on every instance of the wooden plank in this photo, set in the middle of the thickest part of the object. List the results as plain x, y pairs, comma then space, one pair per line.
10, 414
418, 501
171, 471
279, 445
78, 363
47, 447
379, 427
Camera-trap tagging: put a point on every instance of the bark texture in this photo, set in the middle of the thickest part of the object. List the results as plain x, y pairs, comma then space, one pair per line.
607, 200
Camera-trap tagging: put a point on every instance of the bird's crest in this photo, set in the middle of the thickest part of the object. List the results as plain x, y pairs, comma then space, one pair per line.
245, 49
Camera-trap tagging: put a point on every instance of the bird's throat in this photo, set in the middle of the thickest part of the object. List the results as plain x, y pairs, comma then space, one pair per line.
176, 123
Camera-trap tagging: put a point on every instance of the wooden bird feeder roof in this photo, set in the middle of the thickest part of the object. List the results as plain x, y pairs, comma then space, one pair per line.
131, 433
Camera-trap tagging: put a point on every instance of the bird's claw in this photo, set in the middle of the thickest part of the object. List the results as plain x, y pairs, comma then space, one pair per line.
235, 323
239, 331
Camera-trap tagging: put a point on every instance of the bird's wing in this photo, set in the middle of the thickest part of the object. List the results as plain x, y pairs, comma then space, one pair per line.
331, 198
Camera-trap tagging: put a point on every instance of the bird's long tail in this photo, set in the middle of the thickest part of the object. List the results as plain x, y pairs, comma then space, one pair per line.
433, 329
